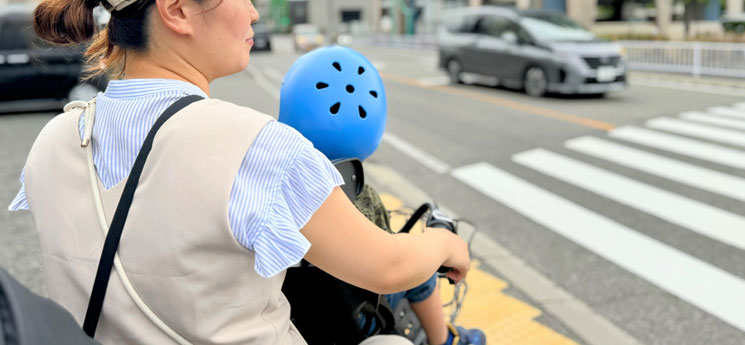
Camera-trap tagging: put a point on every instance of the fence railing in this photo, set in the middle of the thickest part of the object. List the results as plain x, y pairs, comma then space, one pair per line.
695, 58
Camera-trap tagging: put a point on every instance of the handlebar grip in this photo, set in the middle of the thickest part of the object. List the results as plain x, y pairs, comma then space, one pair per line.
445, 269
439, 219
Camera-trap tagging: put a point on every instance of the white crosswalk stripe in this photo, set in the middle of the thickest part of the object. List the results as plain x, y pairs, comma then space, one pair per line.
706, 220
698, 137
695, 130
713, 120
737, 111
692, 175
680, 145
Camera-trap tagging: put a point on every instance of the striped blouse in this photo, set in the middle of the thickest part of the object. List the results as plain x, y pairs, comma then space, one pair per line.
281, 182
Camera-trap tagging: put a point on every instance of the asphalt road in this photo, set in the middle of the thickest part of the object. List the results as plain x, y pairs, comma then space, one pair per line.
649, 242
678, 217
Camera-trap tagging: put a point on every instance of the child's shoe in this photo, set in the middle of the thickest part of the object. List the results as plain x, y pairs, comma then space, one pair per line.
461, 336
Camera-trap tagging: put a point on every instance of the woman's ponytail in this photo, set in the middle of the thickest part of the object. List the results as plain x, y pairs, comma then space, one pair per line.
65, 21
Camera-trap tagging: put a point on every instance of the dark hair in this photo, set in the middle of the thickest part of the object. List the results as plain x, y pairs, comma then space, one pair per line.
71, 22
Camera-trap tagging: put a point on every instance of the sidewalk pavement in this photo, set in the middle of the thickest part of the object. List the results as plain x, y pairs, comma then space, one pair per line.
504, 318
735, 83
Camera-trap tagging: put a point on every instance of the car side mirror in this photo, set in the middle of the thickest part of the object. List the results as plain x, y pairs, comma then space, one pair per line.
509, 37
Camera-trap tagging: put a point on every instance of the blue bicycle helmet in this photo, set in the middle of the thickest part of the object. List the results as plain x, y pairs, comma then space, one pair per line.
335, 98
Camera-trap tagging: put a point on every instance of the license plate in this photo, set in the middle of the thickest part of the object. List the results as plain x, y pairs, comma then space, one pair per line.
606, 74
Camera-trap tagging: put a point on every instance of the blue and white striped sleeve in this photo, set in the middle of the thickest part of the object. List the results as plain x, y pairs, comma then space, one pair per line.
19, 202
282, 181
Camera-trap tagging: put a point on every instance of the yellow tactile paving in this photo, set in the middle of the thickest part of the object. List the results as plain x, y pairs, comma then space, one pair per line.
504, 319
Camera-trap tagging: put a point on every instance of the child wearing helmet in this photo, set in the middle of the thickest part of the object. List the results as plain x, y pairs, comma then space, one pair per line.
335, 98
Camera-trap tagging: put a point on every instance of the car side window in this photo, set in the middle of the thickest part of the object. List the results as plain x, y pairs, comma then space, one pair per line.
15, 35
522, 35
492, 26
460, 24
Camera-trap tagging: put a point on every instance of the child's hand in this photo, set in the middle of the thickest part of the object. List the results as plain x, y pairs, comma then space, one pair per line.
458, 258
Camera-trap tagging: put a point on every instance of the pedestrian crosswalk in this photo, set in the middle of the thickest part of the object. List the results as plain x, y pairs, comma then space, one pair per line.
689, 143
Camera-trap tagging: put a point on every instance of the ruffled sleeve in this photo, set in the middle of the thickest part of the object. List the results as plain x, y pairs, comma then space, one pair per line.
19, 202
289, 182
306, 185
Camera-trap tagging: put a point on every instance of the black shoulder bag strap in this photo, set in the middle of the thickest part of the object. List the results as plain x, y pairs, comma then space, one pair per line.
120, 216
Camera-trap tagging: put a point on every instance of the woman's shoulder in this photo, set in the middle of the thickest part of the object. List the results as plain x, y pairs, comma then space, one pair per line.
219, 107
61, 122
217, 116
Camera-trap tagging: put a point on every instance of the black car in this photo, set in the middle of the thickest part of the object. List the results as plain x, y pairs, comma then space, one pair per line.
537, 51
35, 75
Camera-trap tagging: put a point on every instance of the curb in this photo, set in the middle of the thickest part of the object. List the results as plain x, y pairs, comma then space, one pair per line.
577, 316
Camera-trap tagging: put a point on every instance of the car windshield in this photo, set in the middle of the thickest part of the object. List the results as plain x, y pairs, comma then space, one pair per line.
554, 27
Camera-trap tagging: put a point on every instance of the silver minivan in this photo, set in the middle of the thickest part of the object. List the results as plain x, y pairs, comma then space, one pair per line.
537, 51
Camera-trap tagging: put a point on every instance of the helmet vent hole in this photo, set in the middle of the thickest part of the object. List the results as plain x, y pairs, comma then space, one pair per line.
350, 88
337, 66
360, 70
321, 85
363, 113
374, 94
335, 108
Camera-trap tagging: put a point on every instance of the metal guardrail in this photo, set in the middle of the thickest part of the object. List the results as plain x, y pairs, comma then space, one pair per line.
696, 58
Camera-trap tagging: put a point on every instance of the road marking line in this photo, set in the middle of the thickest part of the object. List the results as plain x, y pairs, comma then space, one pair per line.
731, 112
695, 130
694, 281
433, 81
713, 120
400, 79
502, 102
528, 108
706, 220
675, 170
691, 87
415, 153
680, 145
380, 65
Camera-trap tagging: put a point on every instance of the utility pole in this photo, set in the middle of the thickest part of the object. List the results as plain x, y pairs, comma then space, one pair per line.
734, 7
665, 16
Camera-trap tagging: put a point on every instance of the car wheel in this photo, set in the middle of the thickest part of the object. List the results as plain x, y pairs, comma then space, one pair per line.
535, 81
82, 92
454, 71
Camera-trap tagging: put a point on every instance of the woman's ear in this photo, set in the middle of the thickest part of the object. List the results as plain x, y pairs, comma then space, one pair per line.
177, 15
